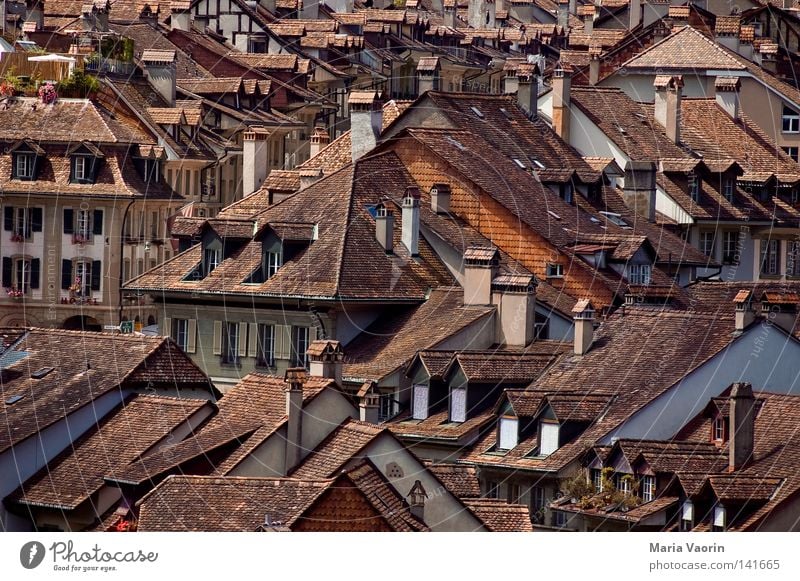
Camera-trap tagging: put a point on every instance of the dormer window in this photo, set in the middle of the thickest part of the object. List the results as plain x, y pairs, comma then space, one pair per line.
84, 162
151, 170
274, 260
26, 155
211, 259
639, 274
23, 166
648, 488
728, 188
548, 437
597, 480
508, 436
555, 270
566, 192
790, 120
694, 186
718, 429
420, 402
687, 516
458, 404
720, 518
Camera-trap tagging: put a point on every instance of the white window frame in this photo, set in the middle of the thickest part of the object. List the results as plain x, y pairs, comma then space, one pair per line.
790, 121
730, 245
508, 433
22, 280
458, 404
274, 262
639, 274
83, 224
301, 338
729, 189
719, 518
770, 263
624, 485
80, 168
548, 431
83, 270
718, 429
181, 333
265, 357
387, 406
212, 259
420, 401
705, 247
22, 222
648, 488
23, 165
555, 270
597, 479
230, 343
687, 515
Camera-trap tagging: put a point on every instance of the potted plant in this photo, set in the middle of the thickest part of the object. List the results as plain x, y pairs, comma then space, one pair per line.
14, 293
7, 89
47, 93
79, 239
17, 237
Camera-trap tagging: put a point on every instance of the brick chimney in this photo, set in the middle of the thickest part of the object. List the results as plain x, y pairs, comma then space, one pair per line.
561, 102
563, 13
159, 69
369, 408
668, 92
440, 199
180, 17
295, 378
319, 140
480, 268
384, 227
583, 316
727, 94
742, 426
366, 120
255, 158
515, 297
639, 188
410, 234
416, 501
325, 356
528, 93
744, 315
428, 74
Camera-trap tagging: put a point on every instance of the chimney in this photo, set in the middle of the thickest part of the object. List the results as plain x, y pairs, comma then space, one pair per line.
742, 426
563, 13
634, 13
384, 227
180, 17
319, 140
449, 14
561, 103
583, 316
511, 81
428, 74
410, 234
416, 501
780, 309
594, 64
573, 6
515, 297
727, 95
480, 267
159, 69
440, 199
325, 356
639, 188
528, 93
255, 159
587, 11
295, 378
369, 408
668, 90
366, 120
309, 175
744, 315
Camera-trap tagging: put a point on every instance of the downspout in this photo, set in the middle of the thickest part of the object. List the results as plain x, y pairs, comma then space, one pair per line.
122, 255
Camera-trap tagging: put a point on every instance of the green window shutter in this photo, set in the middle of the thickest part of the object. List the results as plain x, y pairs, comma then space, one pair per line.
217, 346
191, 340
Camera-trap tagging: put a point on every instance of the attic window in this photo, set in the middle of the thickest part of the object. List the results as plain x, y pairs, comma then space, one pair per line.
505, 112
718, 429
554, 215
13, 399
555, 270
548, 438
23, 165
621, 129
536, 162
40, 373
455, 142
639, 274
519, 163
615, 219
420, 411
477, 112
508, 433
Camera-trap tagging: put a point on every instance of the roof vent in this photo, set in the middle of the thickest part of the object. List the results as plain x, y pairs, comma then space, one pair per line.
477, 112
519, 163
40, 373
554, 215
13, 399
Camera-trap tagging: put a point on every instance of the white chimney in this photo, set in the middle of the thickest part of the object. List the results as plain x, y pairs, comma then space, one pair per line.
594, 64
159, 69
744, 315
583, 316
309, 175
410, 235
634, 13
668, 91
449, 14
180, 17
563, 13
319, 140
369, 408
295, 378
384, 227
255, 159
325, 356
440, 199
727, 95
428, 74
480, 267
561, 102
515, 297
366, 120
416, 501
742, 426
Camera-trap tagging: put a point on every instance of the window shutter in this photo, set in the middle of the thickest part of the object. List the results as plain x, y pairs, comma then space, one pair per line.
36, 219
166, 330
719, 516
69, 220
508, 433
420, 402
97, 223
7, 266
35, 262
549, 439
458, 405
687, 510
283, 341
242, 339
217, 347
66, 274
96, 274
191, 340
252, 346
8, 218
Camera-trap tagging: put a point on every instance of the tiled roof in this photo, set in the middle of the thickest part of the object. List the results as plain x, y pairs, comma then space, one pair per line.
76, 474
461, 480
340, 447
114, 360
686, 48
727, 25
211, 86
499, 516
152, 55
272, 62
502, 367
384, 497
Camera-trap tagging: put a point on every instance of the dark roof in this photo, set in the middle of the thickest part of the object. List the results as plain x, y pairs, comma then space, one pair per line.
500, 516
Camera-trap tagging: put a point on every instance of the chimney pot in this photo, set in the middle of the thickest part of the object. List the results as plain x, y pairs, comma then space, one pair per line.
325, 356
410, 234
319, 140
295, 378
515, 298
369, 408
744, 314
727, 95
583, 315
440, 198
416, 500
561, 102
480, 267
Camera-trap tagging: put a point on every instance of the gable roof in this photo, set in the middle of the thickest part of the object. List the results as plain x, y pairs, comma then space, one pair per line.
687, 48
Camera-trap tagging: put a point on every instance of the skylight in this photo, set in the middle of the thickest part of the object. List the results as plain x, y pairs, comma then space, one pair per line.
40, 373
455, 142
477, 112
554, 215
615, 219
13, 399
505, 112
519, 163
536, 162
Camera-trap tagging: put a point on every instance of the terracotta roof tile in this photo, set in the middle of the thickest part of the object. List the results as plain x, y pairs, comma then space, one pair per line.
499, 516
461, 480
340, 447
686, 48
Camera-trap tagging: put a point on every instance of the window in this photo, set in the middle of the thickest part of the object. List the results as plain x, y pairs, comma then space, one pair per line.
639, 274
265, 356
707, 243
687, 516
624, 483
718, 429
22, 275
513, 494
648, 488
566, 192
555, 270
300, 346
387, 406
84, 224
22, 226
548, 438
180, 332
769, 257
537, 498
458, 405
230, 344
791, 152
492, 489
730, 246
274, 262
790, 121
420, 411
561, 519
79, 168
211, 259
729, 188
508, 433
151, 170
83, 278
597, 479
793, 258
694, 186
720, 516
23, 166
